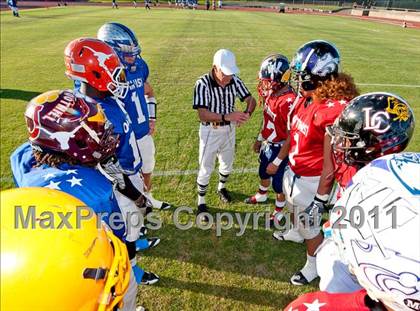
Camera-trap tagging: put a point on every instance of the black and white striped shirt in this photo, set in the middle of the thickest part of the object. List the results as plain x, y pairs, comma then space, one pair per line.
208, 94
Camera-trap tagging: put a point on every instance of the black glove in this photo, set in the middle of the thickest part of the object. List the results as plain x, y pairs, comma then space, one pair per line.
314, 211
112, 169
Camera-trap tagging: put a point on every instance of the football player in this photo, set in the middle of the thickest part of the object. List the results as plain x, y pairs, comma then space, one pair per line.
323, 94
13, 6
68, 137
140, 102
81, 266
101, 78
277, 96
381, 245
372, 125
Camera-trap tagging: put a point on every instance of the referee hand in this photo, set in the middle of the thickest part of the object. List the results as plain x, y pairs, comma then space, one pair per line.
238, 117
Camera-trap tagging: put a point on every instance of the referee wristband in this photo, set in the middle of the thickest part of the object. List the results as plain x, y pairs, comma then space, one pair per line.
277, 161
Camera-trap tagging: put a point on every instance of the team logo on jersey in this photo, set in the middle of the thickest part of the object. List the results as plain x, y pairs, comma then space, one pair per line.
398, 109
300, 125
270, 113
377, 122
325, 65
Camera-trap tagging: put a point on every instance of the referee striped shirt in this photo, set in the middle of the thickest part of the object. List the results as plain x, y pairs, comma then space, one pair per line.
208, 94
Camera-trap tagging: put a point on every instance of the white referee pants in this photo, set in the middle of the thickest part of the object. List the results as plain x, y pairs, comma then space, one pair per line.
215, 142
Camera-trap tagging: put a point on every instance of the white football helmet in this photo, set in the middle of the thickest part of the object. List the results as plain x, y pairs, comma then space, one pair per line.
381, 238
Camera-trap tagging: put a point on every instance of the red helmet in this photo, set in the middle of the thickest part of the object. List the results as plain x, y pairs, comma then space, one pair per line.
59, 122
95, 62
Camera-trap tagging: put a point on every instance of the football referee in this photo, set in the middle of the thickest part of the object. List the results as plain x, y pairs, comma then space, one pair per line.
214, 100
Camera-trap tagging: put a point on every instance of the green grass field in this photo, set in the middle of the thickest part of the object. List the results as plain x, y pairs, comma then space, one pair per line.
198, 270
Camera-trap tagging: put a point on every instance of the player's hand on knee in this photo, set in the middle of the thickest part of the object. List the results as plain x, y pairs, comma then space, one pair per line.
112, 169
152, 127
272, 168
257, 146
313, 213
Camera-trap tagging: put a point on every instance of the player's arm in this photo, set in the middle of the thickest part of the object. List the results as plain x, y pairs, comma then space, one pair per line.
317, 206
284, 151
326, 181
151, 106
259, 139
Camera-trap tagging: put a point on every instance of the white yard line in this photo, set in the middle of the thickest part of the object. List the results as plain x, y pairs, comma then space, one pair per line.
238, 171
363, 84
393, 85
242, 170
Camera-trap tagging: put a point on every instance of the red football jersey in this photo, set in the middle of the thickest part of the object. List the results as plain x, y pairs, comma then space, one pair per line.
343, 173
307, 131
276, 108
324, 301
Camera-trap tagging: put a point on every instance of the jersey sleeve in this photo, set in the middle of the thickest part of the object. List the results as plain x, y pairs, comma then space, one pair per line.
284, 107
21, 161
146, 71
200, 99
114, 115
242, 90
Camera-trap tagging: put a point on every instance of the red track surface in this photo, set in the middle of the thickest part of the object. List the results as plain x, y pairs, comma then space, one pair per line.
46, 4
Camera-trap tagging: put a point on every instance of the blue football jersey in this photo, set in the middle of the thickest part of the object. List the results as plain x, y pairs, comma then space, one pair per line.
86, 184
127, 152
135, 103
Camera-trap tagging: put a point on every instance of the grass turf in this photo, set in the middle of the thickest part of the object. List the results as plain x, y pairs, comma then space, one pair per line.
198, 269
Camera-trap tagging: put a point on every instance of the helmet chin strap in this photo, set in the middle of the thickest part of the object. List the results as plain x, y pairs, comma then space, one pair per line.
91, 132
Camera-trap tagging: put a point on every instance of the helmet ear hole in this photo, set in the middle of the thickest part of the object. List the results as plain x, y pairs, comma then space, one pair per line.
81, 143
96, 74
81, 51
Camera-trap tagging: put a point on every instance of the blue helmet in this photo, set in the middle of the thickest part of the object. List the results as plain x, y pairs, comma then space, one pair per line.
315, 61
122, 39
